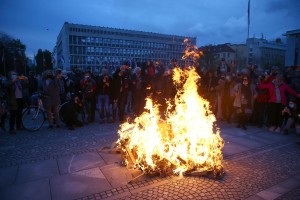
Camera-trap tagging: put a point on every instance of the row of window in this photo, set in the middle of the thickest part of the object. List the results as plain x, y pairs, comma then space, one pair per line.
116, 51
97, 41
126, 34
100, 60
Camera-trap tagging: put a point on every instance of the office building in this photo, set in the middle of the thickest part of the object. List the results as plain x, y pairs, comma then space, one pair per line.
90, 47
292, 55
266, 54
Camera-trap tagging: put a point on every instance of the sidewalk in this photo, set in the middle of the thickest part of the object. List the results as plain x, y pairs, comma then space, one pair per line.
258, 165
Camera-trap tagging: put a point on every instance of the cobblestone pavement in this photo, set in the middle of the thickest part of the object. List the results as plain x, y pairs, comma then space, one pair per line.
245, 176
25, 147
294, 194
248, 172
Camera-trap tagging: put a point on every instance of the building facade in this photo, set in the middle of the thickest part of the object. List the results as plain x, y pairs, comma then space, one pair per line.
265, 54
90, 47
215, 55
241, 55
292, 55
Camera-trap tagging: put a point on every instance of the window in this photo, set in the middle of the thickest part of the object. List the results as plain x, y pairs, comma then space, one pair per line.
83, 40
71, 49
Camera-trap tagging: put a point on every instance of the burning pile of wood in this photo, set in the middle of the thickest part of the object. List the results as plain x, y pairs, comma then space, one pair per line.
163, 165
185, 141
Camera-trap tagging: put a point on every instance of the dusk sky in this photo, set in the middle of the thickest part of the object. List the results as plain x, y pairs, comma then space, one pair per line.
37, 22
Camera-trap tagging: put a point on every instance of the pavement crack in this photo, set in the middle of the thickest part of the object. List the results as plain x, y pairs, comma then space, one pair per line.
70, 164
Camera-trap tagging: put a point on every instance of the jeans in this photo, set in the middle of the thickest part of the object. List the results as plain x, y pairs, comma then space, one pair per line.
16, 115
103, 106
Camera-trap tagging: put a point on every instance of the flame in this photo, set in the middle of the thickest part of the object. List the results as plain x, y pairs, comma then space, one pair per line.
185, 140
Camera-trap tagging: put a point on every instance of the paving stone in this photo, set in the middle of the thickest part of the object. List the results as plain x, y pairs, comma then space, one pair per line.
268, 194
8, 176
231, 148
246, 142
293, 194
111, 158
250, 168
34, 190
79, 162
37, 170
79, 184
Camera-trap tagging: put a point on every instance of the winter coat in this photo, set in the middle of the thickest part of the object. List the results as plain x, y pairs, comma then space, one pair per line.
88, 88
11, 100
237, 92
272, 91
103, 88
51, 92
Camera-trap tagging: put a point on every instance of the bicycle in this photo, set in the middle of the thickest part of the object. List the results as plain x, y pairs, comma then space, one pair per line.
34, 116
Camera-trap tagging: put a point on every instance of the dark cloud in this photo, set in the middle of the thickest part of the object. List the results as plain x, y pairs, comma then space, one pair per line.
212, 22
288, 6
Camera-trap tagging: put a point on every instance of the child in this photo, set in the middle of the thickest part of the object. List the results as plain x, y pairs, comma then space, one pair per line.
290, 115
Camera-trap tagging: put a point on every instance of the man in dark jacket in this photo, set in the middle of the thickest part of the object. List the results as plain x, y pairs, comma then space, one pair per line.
88, 87
15, 100
51, 100
138, 92
121, 84
103, 90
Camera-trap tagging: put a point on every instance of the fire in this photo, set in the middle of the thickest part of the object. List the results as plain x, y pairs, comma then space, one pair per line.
183, 141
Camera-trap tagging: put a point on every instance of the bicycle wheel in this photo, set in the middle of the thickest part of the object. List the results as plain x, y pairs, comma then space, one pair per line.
33, 118
62, 109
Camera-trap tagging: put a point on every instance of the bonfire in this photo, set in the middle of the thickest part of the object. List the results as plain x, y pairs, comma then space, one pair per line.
184, 141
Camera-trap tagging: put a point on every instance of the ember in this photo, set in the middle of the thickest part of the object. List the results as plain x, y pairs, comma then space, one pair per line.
184, 141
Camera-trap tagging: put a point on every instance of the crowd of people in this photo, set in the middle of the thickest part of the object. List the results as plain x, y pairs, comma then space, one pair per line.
251, 96
256, 97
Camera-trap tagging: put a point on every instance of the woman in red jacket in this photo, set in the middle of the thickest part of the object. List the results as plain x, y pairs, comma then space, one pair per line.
277, 100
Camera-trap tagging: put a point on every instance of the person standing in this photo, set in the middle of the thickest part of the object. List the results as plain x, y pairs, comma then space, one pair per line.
62, 85
121, 81
103, 90
209, 84
15, 100
51, 100
138, 92
219, 91
88, 87
243, 102
260, 104
227, 98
